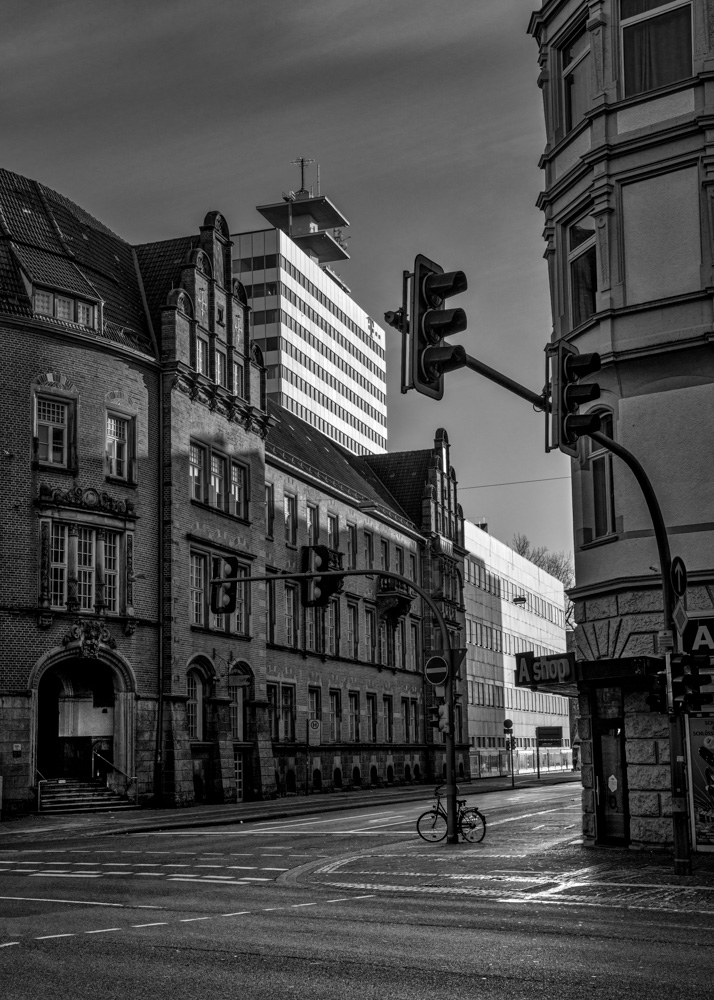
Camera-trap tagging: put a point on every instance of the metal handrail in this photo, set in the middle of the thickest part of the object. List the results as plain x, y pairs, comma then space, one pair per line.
129, 777
42, 780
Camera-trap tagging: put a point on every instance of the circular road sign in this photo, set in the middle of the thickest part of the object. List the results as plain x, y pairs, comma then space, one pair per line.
507, 726
436, 669
678, 576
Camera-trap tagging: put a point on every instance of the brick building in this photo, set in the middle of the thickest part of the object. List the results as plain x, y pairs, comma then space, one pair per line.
139, 448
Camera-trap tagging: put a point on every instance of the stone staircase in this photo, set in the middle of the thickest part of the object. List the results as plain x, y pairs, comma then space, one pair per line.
70, 795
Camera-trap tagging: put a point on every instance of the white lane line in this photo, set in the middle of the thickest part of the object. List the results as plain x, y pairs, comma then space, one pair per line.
66, 875
83, 902
267, 868
296, 905
8, 944
190, 920
342, 899
159, 923
239, 913
244, 868
47, 937
103, 930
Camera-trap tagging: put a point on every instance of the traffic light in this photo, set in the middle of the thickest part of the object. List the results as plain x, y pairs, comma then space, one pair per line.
430, 321
317, 591
678, 663
567, 394
433, 716
224, 589
657, 696
695, 680
443, 718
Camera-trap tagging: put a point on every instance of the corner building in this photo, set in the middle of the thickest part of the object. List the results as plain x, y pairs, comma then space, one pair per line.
629, 234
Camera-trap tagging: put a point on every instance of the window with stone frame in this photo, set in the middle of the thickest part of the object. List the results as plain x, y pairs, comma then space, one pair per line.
290, 518
221, 368
291, 614
333, 531
202, 355
272, 694
239, 379
371, 702
354, 717
237, 623
352, 630
574, 58
603, 489
332, 626
287, 712
388, 718
84, 566
656, 44
269, 510
351, 546
120, 447
54, 439
370, 633
313, 524
335, 717
218, 481
582, 270
238, 691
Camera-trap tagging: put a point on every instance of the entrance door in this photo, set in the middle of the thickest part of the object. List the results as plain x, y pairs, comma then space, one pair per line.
613, 822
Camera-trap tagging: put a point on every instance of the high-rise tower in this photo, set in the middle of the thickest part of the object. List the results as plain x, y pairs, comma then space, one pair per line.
325, 356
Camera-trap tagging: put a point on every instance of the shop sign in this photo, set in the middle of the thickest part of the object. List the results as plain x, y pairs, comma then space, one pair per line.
700, 735
532, 670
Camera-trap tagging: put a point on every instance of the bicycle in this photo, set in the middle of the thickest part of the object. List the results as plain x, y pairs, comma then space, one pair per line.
432, 825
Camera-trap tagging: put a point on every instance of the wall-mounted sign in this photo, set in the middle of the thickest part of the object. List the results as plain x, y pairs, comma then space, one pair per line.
314, 732
533, 670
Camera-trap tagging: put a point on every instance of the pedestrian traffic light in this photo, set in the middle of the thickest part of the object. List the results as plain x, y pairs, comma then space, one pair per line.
567, 395
317, 591
443, 718
657, 696
433, 716
430, 322
224, 588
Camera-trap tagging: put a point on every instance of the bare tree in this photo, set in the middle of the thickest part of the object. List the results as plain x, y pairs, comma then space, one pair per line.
558, 564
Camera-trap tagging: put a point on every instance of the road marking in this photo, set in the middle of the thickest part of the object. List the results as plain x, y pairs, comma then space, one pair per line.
8, 944
103, 930
239, 913
79, 902
159, 923
66, 875
267, 868
48, 937
296, 905
186, 920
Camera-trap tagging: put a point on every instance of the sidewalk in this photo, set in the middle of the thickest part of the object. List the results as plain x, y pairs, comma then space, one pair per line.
42, 826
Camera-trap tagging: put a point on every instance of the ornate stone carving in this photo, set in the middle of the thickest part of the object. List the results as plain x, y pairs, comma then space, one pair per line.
89, 635
89, 499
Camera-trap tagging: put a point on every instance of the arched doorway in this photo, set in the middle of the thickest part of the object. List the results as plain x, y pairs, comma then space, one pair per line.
84, 710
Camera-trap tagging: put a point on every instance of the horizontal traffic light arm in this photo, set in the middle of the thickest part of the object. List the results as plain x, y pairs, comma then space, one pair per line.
539, 400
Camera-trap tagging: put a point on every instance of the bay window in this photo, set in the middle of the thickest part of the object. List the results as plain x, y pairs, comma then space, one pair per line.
582, 269
656, 43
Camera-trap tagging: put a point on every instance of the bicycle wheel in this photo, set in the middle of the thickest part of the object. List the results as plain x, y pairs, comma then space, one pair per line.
472, 825
431, 826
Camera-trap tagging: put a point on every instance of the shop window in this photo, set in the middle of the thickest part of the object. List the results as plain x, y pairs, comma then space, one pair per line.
656, 44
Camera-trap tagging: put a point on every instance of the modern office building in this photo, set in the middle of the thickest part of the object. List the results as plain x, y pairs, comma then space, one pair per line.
628, 180
325, 356
511, 606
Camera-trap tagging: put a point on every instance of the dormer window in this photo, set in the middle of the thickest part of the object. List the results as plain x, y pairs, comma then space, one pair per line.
64, 307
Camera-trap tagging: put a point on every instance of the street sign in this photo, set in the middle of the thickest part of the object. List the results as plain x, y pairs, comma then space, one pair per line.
507, 726
698, 635
436, 669
664, 641
314, 732
680, 617
678, 576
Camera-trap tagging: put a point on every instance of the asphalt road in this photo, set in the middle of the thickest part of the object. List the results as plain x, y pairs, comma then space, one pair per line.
353, 904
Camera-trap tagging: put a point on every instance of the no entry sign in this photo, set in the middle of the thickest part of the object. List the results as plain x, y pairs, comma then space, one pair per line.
436, 669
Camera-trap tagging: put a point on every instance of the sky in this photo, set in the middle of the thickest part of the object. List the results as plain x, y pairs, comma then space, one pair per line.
427, 123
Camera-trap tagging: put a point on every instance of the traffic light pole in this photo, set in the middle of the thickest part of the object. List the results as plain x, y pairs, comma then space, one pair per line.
452, 833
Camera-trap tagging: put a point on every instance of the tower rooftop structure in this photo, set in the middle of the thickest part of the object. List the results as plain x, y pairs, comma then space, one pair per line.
305, 218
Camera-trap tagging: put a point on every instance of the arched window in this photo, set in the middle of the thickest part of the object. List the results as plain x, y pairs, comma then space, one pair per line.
603, 493
238, 684
194, 705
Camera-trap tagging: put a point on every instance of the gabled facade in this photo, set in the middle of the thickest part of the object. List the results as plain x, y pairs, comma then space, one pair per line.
139, 449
